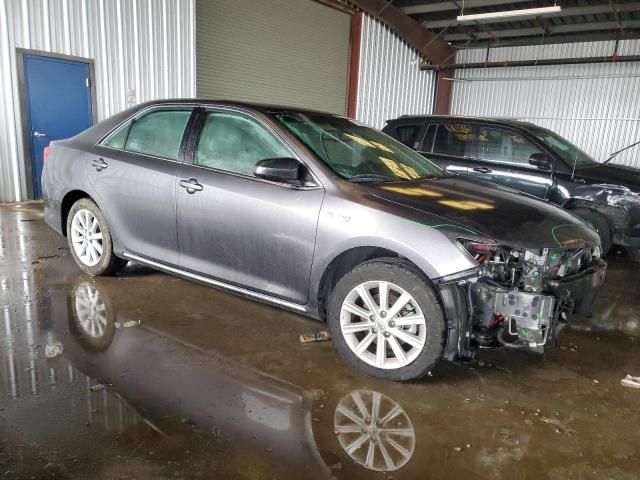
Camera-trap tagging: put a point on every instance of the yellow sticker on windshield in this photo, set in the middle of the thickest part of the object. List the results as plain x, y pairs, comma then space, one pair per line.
411, 171
382, 147
360, 140
395, 168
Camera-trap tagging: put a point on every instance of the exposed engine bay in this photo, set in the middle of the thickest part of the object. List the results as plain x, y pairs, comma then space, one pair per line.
521, 298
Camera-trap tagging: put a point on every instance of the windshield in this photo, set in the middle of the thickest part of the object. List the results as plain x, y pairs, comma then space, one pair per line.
565, 149
355, 152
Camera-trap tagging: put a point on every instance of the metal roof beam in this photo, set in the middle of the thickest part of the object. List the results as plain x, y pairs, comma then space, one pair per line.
566, 38
565, 12
431, 46
551, 30
444, 6
533, 63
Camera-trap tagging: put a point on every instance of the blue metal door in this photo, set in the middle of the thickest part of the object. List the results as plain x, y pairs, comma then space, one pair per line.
58, 97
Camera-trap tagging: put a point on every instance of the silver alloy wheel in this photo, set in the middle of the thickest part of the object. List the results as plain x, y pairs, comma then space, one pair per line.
374, 430
383, 325
86, 237
91, 311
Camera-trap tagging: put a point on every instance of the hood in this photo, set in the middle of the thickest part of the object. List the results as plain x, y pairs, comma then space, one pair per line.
612, 174
507, 216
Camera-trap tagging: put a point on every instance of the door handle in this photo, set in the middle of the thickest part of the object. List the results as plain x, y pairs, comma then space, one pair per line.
191, 185
482, 170
99, 164
39, 134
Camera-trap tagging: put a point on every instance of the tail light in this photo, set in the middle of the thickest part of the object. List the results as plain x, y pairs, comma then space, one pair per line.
46, 152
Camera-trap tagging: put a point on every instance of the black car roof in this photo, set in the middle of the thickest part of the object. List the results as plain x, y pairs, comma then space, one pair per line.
508, 122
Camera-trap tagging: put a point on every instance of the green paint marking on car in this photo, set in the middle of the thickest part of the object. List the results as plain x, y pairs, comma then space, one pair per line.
442, 225
553, 233
451, 225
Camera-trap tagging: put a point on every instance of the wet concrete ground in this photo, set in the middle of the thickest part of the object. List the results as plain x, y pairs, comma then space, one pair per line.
161, 378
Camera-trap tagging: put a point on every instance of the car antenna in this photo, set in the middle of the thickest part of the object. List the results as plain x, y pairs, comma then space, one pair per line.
619, 151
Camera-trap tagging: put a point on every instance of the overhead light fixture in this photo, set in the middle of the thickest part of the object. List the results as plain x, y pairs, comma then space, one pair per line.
509, 13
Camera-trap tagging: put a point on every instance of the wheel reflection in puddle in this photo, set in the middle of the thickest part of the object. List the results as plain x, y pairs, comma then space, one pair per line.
374, 430
92, 319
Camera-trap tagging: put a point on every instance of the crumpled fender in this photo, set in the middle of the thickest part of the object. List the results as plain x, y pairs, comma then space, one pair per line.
619, 206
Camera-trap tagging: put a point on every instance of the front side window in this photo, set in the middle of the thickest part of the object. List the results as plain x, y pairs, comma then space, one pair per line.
566, 150
158, 133
456, 139
356, 152
236, 143
498, 145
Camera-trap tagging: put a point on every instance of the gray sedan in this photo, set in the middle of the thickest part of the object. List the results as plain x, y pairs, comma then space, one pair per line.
315, 213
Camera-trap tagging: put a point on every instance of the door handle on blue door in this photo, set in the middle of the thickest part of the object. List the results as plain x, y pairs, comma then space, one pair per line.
99, 164
482, 170
191, 185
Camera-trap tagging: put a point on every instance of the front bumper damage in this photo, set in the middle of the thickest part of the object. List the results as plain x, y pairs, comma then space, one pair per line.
483, 314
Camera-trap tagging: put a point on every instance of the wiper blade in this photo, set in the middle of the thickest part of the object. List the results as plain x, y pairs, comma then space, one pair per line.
371, 178
620, 151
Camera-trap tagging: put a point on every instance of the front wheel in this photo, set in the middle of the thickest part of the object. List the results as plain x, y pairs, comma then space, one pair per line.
386, 320
90, 240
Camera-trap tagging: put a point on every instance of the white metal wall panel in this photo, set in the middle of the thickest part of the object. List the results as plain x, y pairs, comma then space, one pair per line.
141, 45
596, 106
390, 82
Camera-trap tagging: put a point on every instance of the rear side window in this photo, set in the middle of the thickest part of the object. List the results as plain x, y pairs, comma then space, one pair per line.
456, 139
158, 133
408, 134
236, 143
117, 138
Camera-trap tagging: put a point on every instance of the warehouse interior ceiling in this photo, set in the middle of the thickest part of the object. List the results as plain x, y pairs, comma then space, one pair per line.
578, 21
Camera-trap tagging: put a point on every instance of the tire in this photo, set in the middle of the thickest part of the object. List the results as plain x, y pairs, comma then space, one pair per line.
356, 336
599, 224
103, 263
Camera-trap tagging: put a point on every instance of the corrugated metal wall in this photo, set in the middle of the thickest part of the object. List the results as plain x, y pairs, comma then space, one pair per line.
390, 83
287, 52
596, 106
146, 46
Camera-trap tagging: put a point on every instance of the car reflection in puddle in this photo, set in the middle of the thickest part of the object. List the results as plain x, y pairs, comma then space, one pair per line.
161, 376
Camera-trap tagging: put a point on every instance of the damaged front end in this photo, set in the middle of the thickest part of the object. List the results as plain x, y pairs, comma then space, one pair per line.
619, 204
521, 298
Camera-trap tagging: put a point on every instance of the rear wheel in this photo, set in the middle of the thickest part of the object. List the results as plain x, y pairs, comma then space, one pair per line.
386, 320
90, 240
599, 224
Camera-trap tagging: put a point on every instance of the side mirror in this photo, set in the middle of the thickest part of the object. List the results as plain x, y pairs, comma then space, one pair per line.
278, 169
541, 161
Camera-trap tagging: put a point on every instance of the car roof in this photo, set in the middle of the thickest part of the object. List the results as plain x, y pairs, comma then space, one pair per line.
509, 122
261, 107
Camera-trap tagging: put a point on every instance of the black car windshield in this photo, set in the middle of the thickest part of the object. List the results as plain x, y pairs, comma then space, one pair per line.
356, 152
565, 149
